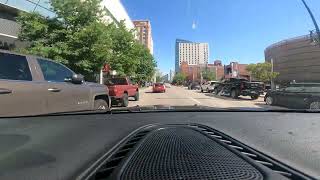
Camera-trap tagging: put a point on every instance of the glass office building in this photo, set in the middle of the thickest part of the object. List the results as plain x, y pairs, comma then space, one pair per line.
41, 6
9, 10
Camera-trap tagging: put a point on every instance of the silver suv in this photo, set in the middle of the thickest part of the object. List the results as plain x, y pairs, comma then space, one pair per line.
31, 85
208, 86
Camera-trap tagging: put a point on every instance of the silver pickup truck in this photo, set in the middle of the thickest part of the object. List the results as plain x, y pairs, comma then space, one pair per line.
31, 85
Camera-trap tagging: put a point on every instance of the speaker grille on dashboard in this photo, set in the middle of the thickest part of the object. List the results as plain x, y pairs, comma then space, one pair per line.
183, 153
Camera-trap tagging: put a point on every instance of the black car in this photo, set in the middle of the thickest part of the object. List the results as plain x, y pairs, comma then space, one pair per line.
235, 87
194, 86
296, 96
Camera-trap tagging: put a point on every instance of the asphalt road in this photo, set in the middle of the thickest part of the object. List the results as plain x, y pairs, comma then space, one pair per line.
181, 96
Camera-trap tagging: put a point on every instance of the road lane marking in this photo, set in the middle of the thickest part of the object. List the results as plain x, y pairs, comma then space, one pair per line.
195, 100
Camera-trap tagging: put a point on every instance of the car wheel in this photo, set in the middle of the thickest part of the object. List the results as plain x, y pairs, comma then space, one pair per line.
101, 105
269, 100
137, 96
234, 94
125, 100
315, 105
254, 97
201, 90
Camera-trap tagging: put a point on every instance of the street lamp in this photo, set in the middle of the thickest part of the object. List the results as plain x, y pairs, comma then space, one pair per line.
317, 41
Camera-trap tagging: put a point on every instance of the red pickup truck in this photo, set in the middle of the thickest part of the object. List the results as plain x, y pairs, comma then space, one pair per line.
120, 89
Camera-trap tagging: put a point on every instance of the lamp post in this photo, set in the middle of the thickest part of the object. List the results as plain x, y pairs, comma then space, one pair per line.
313, 20
272, 80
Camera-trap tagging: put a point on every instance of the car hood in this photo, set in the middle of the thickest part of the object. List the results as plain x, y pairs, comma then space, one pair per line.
183, 108
200, 108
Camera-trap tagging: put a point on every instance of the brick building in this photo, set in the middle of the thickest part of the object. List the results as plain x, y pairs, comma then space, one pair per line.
236, 70
219, 69
295, 59
233, 70
193, 72
144, 33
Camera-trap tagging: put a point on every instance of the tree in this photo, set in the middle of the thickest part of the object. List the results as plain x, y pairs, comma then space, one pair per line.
159, 79
262, 71
179, 79
78, 38
208, 75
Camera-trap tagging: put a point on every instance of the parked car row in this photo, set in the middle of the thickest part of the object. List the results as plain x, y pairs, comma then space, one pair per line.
36, 85
295, 96
234, 88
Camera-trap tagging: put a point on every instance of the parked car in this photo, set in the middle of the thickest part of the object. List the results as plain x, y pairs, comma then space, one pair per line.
194, 86
235, 87
296, 96
208, 86
159, 87
120, 89
31, 85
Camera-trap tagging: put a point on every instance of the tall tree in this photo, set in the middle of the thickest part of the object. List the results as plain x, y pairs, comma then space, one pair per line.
262, 71
78, 38
208, 75
179, 79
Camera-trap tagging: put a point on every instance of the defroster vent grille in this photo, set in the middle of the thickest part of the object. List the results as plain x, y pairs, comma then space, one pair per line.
186, 151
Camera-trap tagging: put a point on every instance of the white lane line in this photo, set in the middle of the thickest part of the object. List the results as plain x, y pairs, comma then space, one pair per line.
195, 100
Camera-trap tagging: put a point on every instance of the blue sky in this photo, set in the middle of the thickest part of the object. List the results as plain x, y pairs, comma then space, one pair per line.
236, 30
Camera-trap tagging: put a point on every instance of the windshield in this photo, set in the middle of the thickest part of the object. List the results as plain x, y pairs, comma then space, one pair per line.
263, 55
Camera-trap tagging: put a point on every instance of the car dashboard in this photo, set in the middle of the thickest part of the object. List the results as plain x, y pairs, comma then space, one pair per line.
161, 145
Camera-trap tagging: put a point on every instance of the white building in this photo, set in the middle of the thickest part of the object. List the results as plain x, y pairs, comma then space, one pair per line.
117, 12
9, 10
191, 52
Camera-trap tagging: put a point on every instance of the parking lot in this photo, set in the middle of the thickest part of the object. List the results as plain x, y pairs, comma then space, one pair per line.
181, 96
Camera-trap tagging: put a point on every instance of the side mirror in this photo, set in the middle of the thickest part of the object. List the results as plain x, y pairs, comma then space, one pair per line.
77, 79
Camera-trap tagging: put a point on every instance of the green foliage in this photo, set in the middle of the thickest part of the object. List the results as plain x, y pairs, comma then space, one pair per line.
179, 79
262, 71
159, 79
78, 38
208, 75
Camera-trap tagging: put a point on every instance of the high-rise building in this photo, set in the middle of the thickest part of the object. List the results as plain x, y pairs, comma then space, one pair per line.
192, 53
9, 10
144, 33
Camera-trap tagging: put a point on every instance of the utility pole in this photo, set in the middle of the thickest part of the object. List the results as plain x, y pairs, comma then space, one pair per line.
272, 80
313, 20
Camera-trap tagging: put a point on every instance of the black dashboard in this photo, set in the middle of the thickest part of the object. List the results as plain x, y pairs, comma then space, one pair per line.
66, 147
